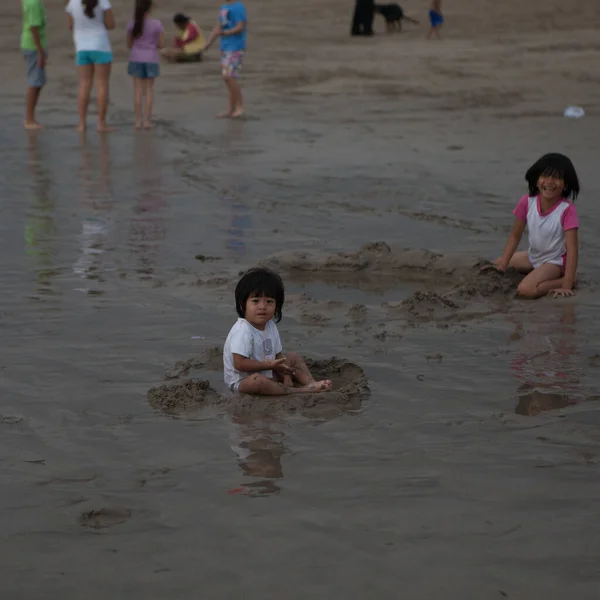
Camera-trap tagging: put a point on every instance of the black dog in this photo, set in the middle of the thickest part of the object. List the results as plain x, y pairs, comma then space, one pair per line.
393, 15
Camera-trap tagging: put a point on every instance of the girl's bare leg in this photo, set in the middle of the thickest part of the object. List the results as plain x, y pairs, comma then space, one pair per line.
86, 81
519, 261
540, 281
263, 386
230, 99
238, 99
138, 93
149, 91
302, 373
102, 93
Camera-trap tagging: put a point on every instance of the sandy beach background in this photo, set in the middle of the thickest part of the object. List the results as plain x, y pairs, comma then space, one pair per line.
472, 469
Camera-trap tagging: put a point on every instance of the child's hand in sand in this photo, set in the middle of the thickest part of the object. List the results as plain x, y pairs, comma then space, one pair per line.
278, 365
562, 292
499, 267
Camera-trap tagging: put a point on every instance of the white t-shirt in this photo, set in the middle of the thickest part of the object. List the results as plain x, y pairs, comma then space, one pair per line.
90, 35
245, 340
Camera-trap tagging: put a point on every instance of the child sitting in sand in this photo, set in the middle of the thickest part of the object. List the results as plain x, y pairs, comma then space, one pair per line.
188, 43
253, 357
551, 219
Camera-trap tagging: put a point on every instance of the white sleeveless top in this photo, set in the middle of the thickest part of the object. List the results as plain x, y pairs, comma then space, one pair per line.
546, 234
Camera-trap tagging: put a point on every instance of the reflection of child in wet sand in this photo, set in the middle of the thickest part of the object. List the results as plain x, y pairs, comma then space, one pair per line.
231, 28
188, 42
551, 219
436, 19
253, 357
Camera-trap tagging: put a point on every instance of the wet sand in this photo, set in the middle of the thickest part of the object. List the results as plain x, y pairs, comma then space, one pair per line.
470, 470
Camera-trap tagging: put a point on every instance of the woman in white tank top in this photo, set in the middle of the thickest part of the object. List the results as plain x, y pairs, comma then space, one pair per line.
551, 219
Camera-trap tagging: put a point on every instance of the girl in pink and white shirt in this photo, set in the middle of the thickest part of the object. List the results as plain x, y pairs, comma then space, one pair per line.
552, 224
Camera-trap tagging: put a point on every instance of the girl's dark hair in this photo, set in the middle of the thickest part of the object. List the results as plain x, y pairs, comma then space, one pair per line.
90, 5
181, 19
557, 165
142, 7
259, 282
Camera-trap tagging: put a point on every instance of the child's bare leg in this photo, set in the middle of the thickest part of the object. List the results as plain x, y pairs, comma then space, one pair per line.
302, 373
540, 281
552, 284
138, 93
230, 99
238, 99
519, 261
263, 386
149, 90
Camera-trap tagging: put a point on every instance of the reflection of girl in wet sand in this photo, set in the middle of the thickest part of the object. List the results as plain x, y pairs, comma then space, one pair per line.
546, 369
253, 357
551, 219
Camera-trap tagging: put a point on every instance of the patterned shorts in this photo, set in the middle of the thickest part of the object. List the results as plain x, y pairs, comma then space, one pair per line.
231, 63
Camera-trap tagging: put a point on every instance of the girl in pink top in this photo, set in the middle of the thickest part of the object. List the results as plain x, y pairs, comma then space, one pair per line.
145, 36
552, 223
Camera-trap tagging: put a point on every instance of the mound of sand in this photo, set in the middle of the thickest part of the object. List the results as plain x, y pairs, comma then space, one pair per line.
350, 389
375, 257
210, 359
465, 291
184, 395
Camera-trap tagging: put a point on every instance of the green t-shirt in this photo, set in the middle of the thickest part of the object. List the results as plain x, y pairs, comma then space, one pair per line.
34, 15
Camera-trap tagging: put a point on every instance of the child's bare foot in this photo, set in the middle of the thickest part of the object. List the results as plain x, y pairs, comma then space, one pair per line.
225, 115
32, 125
148, 125
138, 125
104, 128
81, 128
318, 386
238, 112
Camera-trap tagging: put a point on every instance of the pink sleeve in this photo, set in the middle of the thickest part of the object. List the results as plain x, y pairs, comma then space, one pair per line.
570, 219
522, 209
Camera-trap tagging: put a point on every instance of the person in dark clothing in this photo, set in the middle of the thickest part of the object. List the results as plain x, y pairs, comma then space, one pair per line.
362, 21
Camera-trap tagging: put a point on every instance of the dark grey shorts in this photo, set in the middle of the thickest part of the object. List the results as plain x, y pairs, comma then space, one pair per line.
36, 77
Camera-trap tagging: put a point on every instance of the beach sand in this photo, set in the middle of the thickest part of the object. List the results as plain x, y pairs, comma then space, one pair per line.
375, 175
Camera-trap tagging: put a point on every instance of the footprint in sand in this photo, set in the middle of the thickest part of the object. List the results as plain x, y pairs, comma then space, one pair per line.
104, 518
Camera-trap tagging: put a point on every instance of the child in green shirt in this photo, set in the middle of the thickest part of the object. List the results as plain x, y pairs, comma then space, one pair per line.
33, 46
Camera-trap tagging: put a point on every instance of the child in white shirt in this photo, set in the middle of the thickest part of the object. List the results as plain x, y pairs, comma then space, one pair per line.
550, 216
253, 358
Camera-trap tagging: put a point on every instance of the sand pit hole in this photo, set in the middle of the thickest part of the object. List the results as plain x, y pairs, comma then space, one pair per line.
350, 389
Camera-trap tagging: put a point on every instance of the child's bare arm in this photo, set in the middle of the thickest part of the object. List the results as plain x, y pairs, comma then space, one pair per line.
129, 40
214, 34
248, 365
161, 41
572, 244
237, 29
512, 243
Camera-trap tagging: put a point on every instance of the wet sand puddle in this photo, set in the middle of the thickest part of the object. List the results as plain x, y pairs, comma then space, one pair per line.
457, 456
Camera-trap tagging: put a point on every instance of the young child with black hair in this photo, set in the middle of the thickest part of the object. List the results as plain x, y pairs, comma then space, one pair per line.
552, 223
253, 358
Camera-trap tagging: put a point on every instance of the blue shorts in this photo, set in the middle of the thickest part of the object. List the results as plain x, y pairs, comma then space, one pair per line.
435, 18
143, 70
36, 77
93, 57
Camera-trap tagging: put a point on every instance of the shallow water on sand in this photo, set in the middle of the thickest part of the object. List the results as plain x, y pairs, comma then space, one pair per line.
440, 486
